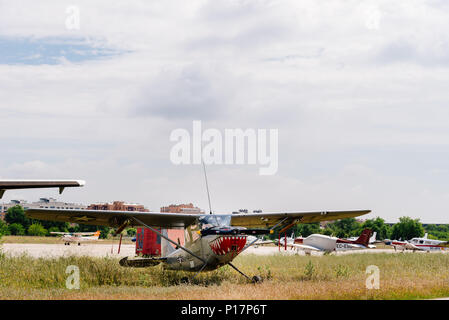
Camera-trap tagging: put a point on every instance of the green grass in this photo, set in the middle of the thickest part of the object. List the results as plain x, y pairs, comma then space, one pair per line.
402, 276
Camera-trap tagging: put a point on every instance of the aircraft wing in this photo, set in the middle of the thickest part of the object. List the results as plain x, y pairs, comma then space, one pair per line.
304, 247
299, 246
32, 184
182, 220
83, 233
411, 246
114, 218
267, 220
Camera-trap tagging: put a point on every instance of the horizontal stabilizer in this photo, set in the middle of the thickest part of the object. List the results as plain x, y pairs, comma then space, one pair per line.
140, 262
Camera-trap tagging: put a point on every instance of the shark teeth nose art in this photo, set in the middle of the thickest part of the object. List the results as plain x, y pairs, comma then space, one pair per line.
226, 244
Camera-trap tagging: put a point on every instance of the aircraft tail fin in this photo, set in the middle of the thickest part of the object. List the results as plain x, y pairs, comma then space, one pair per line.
364, 237
373, 238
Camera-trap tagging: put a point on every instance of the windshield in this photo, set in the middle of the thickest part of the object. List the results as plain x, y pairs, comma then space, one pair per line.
214, 220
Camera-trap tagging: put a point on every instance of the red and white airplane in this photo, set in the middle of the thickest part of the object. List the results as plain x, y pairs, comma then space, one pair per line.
320, 242
420, 244
371, 242
78, 237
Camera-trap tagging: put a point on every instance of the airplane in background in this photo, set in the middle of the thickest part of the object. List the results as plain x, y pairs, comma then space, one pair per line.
33, 184
420, 244
371, 242
79, 237
256, 242
320, 242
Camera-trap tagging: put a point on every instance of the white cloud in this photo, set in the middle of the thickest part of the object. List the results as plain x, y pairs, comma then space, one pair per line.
361, 112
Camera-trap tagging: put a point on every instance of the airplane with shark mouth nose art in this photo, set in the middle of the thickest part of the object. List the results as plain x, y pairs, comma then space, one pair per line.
211, 240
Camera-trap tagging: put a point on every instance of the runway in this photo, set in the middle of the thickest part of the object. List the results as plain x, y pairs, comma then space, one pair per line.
61, 250
109, 250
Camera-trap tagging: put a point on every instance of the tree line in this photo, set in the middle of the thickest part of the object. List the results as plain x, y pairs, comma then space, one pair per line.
18, 224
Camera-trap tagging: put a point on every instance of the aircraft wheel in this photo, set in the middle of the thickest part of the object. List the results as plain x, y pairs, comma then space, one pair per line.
257, 279
79, 243
185, 280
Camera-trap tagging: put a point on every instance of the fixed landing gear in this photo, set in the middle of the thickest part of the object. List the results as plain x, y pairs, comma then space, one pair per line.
255, 279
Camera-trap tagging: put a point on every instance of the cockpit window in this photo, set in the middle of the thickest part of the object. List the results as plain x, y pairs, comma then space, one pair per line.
213, 220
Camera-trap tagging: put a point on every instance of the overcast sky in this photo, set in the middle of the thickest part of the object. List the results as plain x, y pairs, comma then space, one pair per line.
358, 91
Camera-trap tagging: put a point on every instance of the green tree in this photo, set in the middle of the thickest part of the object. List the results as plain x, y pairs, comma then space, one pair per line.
437, 231
3, 228
307, 229
378, 225
55, 226
344, 228
16, 229
53, 229
16, 214
407, 228
131, 232
37, 229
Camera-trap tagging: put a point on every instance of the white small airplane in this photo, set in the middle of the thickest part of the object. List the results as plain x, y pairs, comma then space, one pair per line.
420, 244
78, 237
320, 242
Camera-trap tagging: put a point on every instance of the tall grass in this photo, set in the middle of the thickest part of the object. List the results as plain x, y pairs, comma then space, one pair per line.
402, 276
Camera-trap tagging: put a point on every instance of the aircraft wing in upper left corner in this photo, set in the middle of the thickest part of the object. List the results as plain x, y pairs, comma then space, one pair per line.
32, 184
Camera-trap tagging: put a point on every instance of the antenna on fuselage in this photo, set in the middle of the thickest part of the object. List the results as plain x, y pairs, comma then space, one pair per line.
207, 185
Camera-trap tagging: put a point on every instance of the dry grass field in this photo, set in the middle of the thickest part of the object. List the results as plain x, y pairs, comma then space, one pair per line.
402, 276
